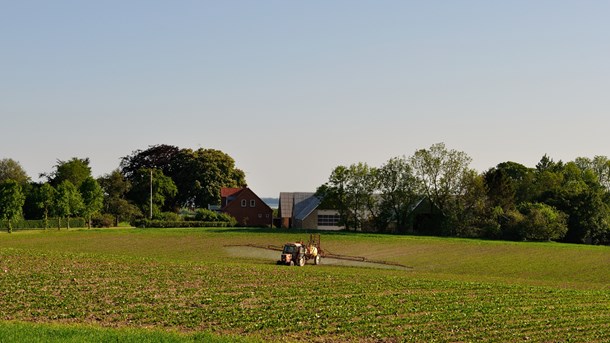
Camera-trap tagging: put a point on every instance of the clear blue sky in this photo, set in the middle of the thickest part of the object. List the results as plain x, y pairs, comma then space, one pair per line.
291, 89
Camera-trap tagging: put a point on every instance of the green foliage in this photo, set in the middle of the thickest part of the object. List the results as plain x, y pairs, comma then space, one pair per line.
163, 188
103, 220
168, 216
18, 332
12, 170
399, 189
146, 223
442, 173
11, 202
187, 280
76, 170
542, 222
206, 215
28, 224
198, 174
45, 198
93, 198
68, 201
116, 187
350, 191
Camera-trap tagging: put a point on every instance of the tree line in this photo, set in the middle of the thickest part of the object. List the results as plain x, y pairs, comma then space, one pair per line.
177, 179
558, 201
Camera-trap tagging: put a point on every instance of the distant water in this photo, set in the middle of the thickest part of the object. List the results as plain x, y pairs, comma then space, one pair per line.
272, 202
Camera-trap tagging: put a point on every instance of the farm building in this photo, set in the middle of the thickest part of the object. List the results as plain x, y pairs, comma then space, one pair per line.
245, 206
301, 210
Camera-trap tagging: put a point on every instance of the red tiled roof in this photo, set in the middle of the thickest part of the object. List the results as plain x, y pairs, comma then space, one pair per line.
227, 192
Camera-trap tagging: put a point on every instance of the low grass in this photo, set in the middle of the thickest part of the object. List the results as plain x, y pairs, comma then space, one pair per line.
184, 283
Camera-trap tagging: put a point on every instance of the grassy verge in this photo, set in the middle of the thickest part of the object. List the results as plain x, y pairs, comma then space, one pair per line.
49, 333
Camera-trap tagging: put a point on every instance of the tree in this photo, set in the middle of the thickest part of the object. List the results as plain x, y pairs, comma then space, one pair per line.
542, 222
45, 197
399, 190
93, 198
508, 184
115, 187
198, 175
350, 191
333, 194
11, 202
68, 202
162, 188
76, 171
599, 165
360, 190
581, 197
12, 170
443, 176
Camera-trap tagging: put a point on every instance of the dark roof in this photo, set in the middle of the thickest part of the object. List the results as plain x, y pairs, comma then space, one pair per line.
297, 205
304, 208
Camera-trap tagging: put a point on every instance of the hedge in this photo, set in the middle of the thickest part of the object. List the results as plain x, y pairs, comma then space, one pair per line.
145, 223
39, 224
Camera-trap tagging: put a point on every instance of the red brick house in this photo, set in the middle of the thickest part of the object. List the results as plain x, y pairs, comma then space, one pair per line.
245, 206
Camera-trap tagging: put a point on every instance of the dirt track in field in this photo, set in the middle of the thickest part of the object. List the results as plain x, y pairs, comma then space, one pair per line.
273, 256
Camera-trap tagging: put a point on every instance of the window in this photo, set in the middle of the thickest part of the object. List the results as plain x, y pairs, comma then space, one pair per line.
252, 203
243, 203
267, 215
328, 220
260, 215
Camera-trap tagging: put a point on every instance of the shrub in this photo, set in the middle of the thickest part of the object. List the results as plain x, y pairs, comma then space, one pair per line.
145, 223
169, 216
102, 220
39, 224
203, 214
542, 222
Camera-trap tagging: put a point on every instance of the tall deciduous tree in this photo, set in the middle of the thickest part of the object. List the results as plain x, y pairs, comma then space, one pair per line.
443, 174
93, 198
350, 190
12, 170
116, 187
162, 188
45, 197
198, 175
11, 202
399, 190
76, 170
68, 202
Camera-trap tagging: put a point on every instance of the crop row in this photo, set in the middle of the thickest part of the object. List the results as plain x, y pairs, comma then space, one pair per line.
263, 300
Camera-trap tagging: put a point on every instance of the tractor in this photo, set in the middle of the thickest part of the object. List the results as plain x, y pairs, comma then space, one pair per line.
299, 253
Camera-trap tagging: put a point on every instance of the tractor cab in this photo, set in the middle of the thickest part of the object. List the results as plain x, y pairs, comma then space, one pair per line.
293, 253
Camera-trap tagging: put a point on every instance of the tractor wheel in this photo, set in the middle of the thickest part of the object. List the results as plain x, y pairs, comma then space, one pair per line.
317, 260
301, 261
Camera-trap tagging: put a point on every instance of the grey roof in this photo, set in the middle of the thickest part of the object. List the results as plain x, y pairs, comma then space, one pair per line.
297, 205
304, 208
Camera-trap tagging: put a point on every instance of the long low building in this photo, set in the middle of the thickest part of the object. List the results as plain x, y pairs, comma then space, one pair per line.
301, 210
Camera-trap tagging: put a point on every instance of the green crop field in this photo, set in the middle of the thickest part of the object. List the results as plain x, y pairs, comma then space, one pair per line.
169, 285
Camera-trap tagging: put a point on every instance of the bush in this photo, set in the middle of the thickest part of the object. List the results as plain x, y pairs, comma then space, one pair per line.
542, 222
145, 223
203, 214
39, 224
169, 216
212, 216
102, 220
